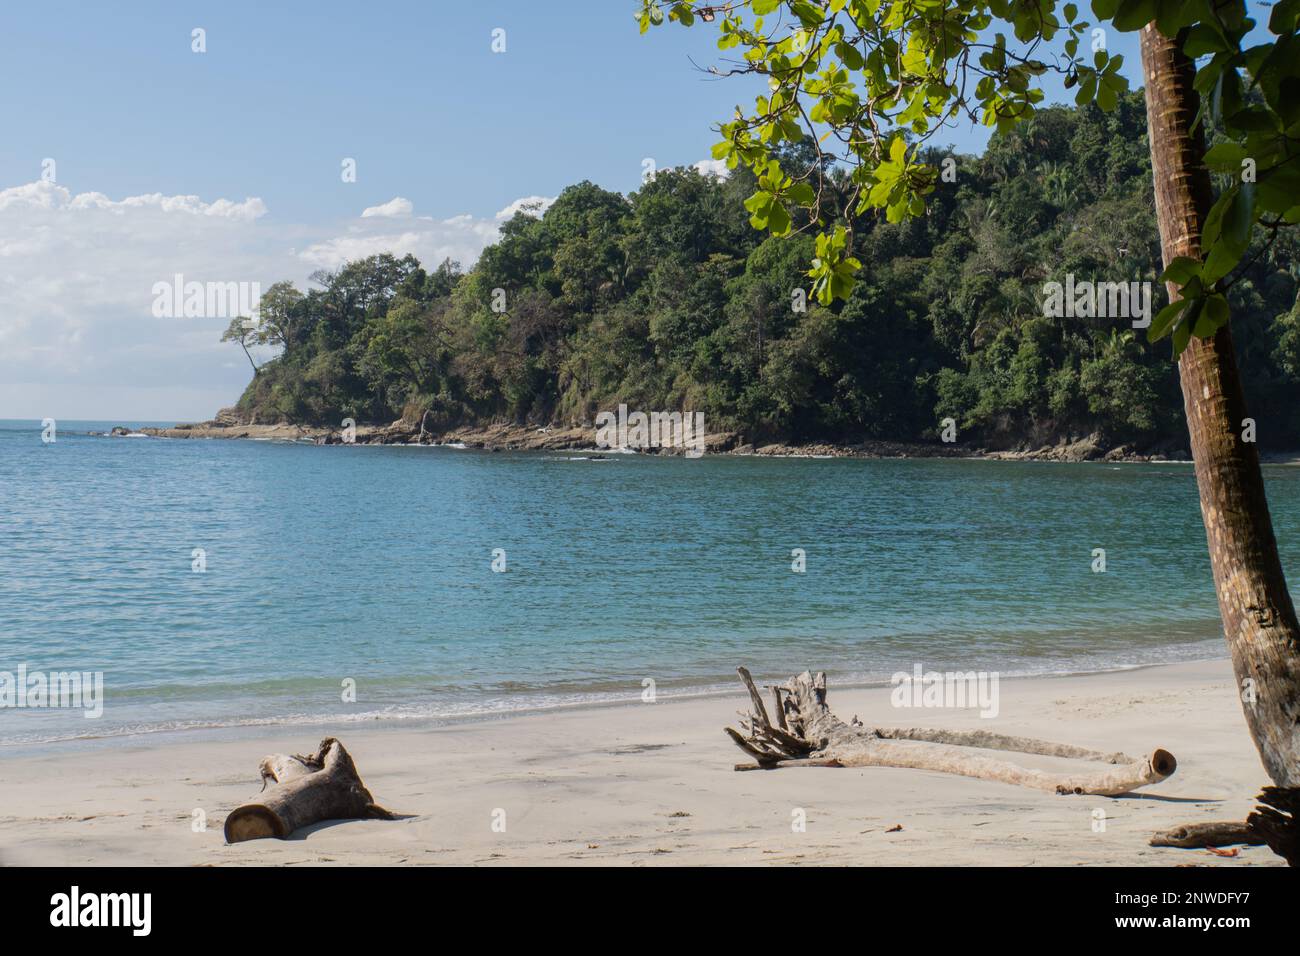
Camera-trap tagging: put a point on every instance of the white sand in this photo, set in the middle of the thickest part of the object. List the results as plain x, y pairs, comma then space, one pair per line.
653, 784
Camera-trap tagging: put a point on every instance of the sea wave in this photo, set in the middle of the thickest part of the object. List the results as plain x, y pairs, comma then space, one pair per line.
521, 700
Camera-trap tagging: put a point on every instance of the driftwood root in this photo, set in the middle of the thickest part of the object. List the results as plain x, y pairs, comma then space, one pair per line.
807, 734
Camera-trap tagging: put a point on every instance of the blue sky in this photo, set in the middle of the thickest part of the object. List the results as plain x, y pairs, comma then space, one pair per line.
411, 90
225, 165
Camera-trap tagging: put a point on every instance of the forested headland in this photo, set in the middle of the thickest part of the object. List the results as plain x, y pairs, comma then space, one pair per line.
669, 299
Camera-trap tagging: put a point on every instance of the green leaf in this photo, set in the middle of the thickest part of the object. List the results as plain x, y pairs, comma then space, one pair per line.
1165, 319
1214, 315
801, 194
1181, 271
778, 221
1107, 99
1277, 188
1133, 14
1172, 15
1284, 17
1183, 333
1225, 157
1227, 231
849, 55
1204, 39
1087, 89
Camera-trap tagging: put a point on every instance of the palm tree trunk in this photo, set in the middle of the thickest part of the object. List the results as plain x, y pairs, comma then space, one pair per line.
1259, 620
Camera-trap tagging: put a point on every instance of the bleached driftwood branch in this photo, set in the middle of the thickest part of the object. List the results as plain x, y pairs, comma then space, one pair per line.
807, 734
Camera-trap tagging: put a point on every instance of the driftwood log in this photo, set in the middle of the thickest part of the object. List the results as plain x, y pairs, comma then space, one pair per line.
807, 734
304, 789
1198, 836
1275, 824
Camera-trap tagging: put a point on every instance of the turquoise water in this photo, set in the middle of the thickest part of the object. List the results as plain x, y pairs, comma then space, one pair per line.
375, 564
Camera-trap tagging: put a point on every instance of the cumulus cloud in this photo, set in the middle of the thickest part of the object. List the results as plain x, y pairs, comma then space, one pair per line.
49, 196
533, 205
395, 208
460, 238
78, 336
713, 167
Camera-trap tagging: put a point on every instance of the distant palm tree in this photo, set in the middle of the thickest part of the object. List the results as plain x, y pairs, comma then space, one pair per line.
1060, 185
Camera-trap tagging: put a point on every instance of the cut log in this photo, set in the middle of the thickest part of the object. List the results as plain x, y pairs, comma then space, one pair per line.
810, 735
305, 789
1198, 836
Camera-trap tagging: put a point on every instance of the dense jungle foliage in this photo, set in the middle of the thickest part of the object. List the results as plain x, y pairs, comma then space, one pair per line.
669, 299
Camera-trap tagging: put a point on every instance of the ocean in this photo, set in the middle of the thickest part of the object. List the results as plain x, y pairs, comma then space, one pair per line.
220, 584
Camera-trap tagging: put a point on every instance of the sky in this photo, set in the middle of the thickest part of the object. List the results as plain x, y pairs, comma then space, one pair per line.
127, 158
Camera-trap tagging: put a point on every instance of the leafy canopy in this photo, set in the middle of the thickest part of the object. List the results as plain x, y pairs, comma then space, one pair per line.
870, 82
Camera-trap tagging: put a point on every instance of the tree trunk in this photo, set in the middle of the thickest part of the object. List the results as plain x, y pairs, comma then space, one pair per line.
807, 734
249, 356
1259, 620
307, 789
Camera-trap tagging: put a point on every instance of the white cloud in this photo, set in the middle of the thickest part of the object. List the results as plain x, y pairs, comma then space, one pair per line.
77, 333
395, 208
334, 252
713, 167
47, 195
460, 238
533, 205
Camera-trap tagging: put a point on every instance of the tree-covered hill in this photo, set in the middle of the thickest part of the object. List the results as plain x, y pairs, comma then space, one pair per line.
669, 299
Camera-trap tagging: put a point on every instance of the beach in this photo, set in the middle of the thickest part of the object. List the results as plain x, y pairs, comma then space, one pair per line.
644, 784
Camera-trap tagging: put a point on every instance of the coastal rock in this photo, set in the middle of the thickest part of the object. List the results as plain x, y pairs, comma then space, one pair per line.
228, 417
511, 436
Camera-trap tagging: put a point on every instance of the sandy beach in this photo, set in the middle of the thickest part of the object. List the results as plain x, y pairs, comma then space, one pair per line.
653, 784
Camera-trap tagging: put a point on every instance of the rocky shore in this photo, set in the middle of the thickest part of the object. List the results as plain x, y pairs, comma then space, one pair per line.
514, 437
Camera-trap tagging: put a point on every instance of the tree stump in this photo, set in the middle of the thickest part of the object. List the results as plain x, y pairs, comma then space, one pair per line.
305, 789
807, 734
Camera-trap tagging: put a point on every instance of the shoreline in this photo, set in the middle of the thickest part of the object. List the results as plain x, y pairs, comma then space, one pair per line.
578, 439
642, 784
199, 728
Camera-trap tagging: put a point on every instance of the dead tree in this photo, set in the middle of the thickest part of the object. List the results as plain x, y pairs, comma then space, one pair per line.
305, 789
807, 734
